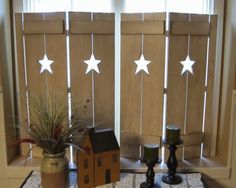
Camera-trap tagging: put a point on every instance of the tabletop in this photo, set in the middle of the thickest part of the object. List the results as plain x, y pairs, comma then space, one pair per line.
127, 180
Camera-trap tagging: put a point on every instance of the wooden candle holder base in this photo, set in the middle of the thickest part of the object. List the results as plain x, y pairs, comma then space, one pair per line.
172, 163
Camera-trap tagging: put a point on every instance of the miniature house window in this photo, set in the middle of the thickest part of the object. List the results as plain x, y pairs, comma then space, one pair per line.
99, 162
114, 158
86, 164
86, 179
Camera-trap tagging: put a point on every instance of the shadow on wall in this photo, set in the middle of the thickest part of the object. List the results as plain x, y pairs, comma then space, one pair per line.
5, 75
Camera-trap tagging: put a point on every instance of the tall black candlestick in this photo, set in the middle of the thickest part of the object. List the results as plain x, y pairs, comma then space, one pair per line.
172, 163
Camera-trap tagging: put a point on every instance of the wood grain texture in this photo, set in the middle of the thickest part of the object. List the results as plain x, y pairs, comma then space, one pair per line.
130, 101
136, 139
141, 118
130, 83
152, 85
192, 139
193, 151
191, 28
1, 88
96, 27
176, 82
195, 83
147, 17
210, 129
104, 88
81, 84
41, 27
54, 44
154, 50
42, 84
139, 27
22, 107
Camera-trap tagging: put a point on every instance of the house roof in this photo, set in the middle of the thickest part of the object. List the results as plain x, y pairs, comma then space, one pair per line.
103, 140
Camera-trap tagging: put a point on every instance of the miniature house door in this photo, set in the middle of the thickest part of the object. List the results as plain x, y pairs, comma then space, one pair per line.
108, 176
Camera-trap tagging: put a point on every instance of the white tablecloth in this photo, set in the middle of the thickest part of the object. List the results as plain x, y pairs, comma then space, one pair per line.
127, 180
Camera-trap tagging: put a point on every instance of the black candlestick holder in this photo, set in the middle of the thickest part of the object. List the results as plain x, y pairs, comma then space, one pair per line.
172, 163
150, 176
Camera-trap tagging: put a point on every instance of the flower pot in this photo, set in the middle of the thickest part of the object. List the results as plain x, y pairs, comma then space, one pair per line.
54, 170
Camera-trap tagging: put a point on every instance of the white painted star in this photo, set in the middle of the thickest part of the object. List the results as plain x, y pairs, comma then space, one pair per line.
92, 64
45, 64
142, 65
187, 65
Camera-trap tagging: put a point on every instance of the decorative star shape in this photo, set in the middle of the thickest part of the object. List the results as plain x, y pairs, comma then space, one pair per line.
92, 64
187, 65
45, 64
142, 65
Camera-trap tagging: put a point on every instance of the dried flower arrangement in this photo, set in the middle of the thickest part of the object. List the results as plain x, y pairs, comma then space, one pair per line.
50, 128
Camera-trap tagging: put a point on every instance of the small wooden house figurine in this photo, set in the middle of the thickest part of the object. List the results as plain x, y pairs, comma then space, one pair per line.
101, 165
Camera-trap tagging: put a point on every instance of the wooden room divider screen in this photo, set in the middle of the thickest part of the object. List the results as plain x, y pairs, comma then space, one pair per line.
144, 110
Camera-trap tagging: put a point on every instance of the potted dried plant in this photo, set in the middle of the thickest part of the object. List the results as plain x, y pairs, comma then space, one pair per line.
51, 130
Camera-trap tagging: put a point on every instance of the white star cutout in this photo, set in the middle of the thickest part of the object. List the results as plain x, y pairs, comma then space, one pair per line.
92, 64
187, 65
45, 64
142, 65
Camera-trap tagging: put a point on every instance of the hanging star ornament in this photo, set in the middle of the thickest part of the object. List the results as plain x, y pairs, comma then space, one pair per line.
92, 64
142, 65
45, 64
187, 65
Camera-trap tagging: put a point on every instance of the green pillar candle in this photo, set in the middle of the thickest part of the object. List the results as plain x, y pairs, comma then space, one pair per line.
150, 152
172, 134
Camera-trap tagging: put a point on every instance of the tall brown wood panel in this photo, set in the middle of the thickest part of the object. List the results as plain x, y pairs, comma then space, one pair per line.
82, 26
35, 25
185, 101
141, 95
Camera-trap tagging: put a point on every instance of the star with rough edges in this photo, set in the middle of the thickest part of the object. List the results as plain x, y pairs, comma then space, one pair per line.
45, 64
92, 64
187, 65
142, 65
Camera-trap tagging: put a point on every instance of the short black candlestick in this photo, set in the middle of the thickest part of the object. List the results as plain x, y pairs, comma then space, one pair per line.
172, 163
150, 175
